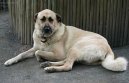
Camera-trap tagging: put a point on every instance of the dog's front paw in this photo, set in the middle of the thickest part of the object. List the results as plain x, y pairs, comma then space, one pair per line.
40, 60
50, 70
45, 64
10, 62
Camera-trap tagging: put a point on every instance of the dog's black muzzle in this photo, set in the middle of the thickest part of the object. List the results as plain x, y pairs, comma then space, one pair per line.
47, 30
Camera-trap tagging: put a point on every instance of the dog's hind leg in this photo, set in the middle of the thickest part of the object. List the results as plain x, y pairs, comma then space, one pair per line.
67, 66
48, 63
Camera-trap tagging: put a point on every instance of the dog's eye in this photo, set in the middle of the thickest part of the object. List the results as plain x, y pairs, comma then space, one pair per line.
43, 19
50, 19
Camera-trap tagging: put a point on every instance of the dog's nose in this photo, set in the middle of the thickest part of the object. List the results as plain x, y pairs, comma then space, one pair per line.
47, 29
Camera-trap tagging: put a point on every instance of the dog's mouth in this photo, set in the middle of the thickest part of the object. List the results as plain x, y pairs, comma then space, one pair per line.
47, 31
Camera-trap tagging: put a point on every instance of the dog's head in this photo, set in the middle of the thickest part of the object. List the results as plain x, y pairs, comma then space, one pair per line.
47, 22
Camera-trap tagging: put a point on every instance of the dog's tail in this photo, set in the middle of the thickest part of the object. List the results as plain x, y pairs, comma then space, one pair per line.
118, 64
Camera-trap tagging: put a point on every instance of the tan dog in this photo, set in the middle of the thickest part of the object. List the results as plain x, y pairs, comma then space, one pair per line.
55, 41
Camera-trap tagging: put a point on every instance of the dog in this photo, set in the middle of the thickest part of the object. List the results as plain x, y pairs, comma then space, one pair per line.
63, 45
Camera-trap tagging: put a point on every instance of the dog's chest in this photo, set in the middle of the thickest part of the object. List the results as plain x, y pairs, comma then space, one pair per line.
50, 47
45, 47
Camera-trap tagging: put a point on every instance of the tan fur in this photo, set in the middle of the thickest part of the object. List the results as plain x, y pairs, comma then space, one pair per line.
66, 45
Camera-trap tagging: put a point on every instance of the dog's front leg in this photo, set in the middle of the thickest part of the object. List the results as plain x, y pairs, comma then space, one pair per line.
52, 56
26, 54
45, 55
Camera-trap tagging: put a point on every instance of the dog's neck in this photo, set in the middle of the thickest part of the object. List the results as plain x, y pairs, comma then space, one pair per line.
57, 36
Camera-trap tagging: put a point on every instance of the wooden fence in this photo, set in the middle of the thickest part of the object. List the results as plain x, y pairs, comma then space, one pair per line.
3, 6
109, 18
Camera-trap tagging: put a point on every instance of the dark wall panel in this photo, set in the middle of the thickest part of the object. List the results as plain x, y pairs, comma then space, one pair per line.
109, 18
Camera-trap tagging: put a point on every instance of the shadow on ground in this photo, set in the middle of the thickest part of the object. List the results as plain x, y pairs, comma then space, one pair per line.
28, 71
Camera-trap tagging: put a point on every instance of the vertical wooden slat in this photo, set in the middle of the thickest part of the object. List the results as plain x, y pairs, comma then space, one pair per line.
94, 15
54, 5
88, 15
110, 21
97, 16
84, 9
126, 23
78, 13
68, 11
117, 23
10, 13
74, 12
105, 4
23, 20
101, 17
107, 20
65, 11
81, 13
15, 17
20, 19
114, 14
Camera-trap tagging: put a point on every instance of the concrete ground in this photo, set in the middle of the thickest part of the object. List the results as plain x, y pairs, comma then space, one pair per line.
28, 71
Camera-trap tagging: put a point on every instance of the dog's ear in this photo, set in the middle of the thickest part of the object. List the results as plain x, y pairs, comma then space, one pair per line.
58, 17
35, 17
